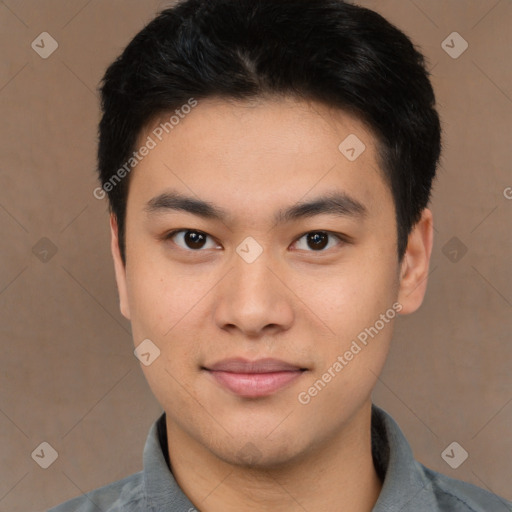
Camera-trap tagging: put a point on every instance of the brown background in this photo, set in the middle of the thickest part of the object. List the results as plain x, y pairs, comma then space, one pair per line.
67, 373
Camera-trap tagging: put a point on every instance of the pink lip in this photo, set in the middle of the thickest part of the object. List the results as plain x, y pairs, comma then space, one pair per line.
253, 379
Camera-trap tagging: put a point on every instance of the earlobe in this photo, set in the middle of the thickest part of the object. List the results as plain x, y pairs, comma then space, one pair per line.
119, 268
415, 264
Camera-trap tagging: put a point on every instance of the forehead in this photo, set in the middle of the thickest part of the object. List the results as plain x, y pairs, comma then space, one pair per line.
259, 152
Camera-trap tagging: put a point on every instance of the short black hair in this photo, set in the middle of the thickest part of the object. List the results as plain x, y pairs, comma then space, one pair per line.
329, 51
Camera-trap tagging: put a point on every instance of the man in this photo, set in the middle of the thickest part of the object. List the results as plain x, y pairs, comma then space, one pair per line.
268, 167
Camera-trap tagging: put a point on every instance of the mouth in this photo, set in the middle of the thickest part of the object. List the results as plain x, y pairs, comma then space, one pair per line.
253, 379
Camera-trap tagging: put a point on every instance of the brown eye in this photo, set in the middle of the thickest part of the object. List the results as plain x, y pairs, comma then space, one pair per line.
317, 240
194, 240
190, 239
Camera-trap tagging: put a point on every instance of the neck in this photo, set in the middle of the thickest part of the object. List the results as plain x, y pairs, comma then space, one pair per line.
337, 475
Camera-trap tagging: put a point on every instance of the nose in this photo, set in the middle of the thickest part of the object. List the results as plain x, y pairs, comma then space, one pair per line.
253, 299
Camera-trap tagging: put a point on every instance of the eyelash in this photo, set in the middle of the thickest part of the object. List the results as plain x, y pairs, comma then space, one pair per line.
343, 239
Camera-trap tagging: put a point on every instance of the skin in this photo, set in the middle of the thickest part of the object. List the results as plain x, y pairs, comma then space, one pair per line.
294, 302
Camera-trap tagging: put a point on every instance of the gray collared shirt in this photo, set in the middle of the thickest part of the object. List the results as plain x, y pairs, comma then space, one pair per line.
408, 485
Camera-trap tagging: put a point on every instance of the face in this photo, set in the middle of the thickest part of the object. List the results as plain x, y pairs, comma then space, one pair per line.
272, 319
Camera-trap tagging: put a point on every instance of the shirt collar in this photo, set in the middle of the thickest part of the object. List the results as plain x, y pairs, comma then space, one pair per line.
162, 492
404, 481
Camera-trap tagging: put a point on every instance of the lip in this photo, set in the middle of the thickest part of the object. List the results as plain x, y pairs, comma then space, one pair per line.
252, 379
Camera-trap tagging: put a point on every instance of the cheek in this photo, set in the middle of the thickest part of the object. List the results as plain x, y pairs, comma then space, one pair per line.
148, 306
352, 296
159, 297
169, 308
163, 309
358, 307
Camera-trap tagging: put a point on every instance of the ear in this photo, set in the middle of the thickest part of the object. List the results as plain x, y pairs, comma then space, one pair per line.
414, 267
119, 268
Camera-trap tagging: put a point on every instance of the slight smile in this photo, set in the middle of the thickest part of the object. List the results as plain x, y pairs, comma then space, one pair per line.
254, 379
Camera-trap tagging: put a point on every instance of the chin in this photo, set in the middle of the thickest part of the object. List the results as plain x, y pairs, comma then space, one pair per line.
261, 454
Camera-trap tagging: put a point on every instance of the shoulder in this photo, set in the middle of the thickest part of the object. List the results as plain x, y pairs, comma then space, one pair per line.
124, 495
409, 486
457, 496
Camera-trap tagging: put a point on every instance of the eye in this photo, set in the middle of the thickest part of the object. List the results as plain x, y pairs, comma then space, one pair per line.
190, 239
317, 240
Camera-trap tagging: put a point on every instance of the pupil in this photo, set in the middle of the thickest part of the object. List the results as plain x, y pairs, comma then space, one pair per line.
194, 240
318, 239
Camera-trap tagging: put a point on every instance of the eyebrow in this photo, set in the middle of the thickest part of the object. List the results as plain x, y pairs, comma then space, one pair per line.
334, 203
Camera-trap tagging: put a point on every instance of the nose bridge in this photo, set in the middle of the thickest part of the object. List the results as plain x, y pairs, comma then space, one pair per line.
251, 274
252, 297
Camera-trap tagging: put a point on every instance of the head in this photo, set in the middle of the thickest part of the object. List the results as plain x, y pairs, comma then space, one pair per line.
278, 160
